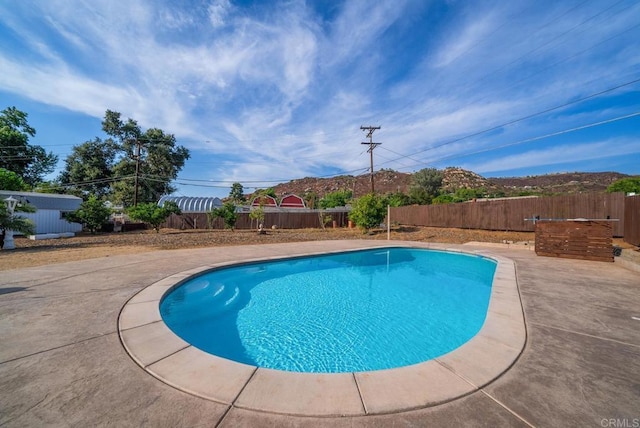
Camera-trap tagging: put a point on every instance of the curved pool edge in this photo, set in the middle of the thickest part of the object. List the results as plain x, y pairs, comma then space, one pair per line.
492, 351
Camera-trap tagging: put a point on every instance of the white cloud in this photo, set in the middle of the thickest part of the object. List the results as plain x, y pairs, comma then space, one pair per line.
461, 41
218, 11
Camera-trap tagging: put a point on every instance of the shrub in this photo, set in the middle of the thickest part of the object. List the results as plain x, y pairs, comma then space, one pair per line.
152, 214
227, 213
335, 199
368, 211
92, 214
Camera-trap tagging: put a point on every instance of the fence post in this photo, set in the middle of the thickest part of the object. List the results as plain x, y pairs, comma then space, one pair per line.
388, 222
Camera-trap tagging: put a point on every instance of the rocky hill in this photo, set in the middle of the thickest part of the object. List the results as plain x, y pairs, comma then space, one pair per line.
568, 182
389, 181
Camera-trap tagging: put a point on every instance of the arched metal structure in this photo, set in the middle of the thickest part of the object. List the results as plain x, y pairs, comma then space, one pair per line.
193, 204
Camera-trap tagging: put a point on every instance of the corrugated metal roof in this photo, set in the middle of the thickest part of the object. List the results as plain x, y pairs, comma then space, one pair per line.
45, 201
192, 204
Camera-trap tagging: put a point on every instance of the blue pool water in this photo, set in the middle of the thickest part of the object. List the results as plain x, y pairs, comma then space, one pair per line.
346, 312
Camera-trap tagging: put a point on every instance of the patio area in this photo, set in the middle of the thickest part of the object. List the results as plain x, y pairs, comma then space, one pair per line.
62, 362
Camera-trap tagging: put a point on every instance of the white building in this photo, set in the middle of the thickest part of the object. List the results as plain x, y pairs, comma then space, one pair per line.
51, 210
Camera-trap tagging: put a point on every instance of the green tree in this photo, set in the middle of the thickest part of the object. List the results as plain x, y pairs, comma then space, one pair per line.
368, 211
257, 214
425, 185
160, 159
237, 194
398, 199
310, 199
464, 194
92, 214
338, 198
227, 213
9, 180
15, 221
627, 185
152, 214
30, 162
443, 199
89, 167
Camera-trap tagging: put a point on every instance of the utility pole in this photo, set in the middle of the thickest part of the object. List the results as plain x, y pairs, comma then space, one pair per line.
372, 145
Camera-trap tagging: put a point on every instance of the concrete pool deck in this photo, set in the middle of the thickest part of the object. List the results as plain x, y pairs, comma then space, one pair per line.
62, 363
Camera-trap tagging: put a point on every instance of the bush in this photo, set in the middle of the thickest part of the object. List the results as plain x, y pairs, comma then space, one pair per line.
92, 214
335, 199
228, 214
152, 214
368, 211
443, 199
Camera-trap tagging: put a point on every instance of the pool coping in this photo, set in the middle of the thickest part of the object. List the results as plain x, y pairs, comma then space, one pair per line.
491, 352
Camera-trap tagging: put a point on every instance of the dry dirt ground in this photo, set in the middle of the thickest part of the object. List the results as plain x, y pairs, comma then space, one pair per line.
84, 246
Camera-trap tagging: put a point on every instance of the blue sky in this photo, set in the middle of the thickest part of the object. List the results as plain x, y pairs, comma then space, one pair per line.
266, 92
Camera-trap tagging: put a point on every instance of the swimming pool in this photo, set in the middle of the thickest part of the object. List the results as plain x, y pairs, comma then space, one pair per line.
349, 312
165, 356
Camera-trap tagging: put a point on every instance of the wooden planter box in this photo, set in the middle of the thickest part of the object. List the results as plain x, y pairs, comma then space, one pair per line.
575, 239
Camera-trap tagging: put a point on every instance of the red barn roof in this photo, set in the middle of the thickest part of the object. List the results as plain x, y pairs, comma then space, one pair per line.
292, 201
265, 201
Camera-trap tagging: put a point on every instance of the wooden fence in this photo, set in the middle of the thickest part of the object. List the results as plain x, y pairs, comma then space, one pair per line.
499, 214
281, 220
585, 240
632, 220
510, 214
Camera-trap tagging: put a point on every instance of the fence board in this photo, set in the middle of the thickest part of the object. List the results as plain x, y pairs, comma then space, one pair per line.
632, 220
510, 214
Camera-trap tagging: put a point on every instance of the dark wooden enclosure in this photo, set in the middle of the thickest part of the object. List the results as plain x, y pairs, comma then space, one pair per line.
585, 240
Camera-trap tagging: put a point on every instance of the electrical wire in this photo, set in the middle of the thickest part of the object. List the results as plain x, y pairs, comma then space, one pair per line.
523, 118
541, 137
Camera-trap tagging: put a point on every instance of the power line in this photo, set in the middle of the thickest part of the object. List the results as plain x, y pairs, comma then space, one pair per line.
511, 122
541, 137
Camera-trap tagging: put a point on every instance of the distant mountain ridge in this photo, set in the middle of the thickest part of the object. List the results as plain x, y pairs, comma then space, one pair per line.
389, 181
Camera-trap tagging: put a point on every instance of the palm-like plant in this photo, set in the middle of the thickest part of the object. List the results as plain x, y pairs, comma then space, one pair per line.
15, 222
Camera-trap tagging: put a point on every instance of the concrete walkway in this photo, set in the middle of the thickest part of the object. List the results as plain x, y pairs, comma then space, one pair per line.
62, 364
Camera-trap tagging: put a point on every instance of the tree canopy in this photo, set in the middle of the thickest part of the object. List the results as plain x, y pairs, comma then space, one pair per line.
627, 185
9, 180
339, 198
30, 162
107, 168
237, 193
425, 185
90, 167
